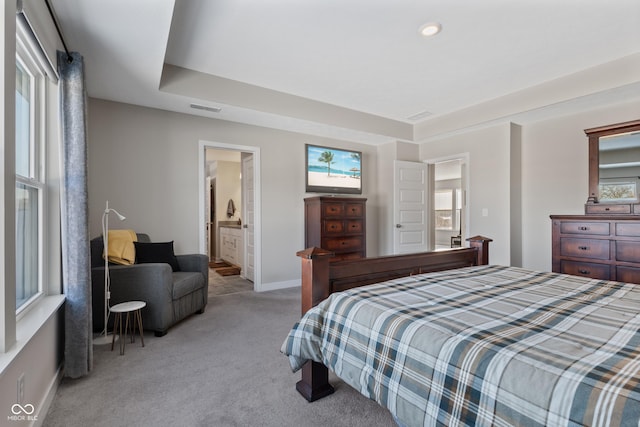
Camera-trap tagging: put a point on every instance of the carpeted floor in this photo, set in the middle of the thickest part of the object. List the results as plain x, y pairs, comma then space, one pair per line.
222, 368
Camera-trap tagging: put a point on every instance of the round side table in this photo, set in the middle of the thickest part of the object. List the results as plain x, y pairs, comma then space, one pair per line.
129, 307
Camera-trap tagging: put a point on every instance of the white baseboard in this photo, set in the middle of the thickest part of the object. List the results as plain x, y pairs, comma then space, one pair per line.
48, 398
272, 286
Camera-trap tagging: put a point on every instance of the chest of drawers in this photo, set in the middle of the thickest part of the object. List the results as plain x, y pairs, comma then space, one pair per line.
337, 224
597, 246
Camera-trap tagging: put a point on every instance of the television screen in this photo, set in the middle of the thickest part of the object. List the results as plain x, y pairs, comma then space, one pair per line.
333, 170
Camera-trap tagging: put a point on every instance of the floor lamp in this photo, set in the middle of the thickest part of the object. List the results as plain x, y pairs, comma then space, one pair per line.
104, 339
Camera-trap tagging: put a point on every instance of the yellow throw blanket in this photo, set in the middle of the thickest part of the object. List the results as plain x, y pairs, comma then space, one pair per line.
121, 248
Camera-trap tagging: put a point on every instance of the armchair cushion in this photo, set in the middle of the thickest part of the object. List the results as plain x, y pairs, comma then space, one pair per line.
185, 283
147, 252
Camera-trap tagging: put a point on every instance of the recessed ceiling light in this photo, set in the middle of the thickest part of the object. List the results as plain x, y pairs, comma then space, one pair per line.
430, 29
206, 108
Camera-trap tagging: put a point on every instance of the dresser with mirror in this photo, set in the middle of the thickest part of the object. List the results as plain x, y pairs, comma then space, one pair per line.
604, 243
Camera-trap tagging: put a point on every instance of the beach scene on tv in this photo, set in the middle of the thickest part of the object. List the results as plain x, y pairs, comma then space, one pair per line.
328, 167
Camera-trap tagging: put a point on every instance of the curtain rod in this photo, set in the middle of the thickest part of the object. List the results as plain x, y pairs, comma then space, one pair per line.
55, 22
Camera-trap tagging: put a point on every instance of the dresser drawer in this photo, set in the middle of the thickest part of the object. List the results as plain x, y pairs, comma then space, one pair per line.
608, 209
592, 228
585, 269
335, 226
353, 210
339, 227
631, 229
354, 226
333, 209
627, 274
343, 244
584, 248
627, 251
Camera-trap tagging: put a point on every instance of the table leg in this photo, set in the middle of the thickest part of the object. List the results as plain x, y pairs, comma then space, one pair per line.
139, 319
124, 339
115, 327
132, 328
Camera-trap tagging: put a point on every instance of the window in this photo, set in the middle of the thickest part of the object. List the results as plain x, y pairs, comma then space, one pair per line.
618, 189
448, 204
444, 209
30, 176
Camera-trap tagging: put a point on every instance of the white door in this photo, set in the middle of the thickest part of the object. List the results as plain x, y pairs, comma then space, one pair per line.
410, 207
248, 207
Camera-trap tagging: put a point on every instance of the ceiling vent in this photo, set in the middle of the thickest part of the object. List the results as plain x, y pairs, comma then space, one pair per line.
206, 108
419, 116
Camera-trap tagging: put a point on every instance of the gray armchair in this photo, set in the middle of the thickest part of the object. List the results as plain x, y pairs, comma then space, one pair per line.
170, 295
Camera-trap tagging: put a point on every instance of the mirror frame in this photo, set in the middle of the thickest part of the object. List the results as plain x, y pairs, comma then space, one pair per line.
594, 135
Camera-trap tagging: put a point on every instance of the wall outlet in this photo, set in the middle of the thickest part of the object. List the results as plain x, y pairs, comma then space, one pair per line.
20, 388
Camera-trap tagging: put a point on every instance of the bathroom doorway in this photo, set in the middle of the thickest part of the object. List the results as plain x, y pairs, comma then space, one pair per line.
229, 206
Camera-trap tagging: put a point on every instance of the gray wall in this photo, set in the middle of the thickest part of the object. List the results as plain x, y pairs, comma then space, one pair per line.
523, 174
489, 185
145, 162
555, 173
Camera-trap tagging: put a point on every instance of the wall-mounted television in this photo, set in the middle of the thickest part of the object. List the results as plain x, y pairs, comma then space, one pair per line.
333, 170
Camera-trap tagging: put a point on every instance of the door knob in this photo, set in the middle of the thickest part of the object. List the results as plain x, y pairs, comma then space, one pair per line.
245, 226
398, 226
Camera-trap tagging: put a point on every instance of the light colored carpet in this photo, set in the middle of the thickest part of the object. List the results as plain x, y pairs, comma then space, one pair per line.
221, 368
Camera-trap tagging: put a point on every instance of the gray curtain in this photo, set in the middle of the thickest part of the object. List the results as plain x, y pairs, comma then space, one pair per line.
76, 267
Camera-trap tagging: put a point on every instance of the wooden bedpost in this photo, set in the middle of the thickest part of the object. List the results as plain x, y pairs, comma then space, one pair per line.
314, 384
481, 243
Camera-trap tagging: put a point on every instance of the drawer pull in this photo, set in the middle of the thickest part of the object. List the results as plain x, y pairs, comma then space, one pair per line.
584, 272
607, 209
583, 248
583, 228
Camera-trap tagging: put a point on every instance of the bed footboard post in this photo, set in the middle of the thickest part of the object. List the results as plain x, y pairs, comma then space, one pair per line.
481, 243
315, 288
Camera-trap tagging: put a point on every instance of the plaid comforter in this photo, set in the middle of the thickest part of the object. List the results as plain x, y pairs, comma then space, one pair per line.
483, 346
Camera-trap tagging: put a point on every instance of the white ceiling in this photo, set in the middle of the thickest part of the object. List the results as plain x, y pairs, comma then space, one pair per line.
359, 69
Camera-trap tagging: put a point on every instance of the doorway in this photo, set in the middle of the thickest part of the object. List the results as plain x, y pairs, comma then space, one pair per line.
449, 211
229, 207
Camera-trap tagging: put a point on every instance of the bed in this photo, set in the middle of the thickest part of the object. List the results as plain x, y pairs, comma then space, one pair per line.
445, 339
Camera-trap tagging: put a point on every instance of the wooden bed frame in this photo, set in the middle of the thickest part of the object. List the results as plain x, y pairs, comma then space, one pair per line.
320, 278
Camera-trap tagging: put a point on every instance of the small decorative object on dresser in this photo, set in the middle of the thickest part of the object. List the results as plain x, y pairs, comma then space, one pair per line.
597, 246
337, 224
